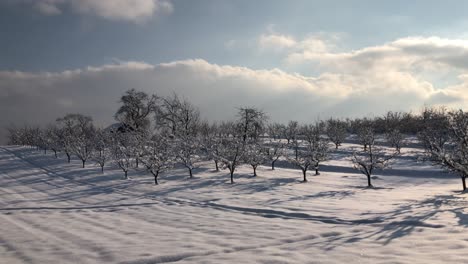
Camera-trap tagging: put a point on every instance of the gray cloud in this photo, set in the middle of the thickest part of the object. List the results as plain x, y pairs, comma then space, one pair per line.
125, 10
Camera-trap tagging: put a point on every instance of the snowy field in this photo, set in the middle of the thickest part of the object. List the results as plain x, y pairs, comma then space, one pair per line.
54, 212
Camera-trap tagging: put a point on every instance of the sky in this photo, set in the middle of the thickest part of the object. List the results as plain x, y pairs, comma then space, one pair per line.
297, 60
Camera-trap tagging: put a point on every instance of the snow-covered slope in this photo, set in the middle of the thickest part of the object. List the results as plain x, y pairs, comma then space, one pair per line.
54, 212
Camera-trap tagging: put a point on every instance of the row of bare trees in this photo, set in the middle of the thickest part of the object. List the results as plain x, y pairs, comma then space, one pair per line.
161, 132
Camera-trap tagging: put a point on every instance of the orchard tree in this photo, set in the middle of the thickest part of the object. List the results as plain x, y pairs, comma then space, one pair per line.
302, 158
158, 156
188, 153
53, 134
434, 128
318, 146
273, 151
275, 130
122, 151
291, 131
231, 154
43, 140
365, 132
336, 131
396, 139
393, 125
103, 147
210, 141
136, 109
78, 135
66, 134
371, 159
254, 155
187, 140
448, 146
168, 115
251, 122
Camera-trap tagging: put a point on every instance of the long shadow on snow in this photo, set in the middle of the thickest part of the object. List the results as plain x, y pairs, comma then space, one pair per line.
405, 220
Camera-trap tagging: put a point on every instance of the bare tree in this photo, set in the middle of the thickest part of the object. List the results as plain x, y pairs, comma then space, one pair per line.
393, 122
451, 152
275, 130
434, 132
365, 132
122, 151
103, 147
396, 139
43, 139
251, 122
158, 156
336, 131
188, 153
291, 131
136, 109
187, 140
254, 155
210, 141
273, 151
371, 159
302, 158
78, 135
53, 137
231, 153
317, 144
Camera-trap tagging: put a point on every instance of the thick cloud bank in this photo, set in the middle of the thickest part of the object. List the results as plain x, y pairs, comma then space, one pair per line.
217, 90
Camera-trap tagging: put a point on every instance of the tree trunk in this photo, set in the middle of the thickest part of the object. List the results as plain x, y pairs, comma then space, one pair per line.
369, 184
45, 151
232, 176
273, 165
83, 163
126, 174
55, 153
304, 173
216, 165
156, 178
464, 182
136, 161
336, 145
191, 173
255, 170
317, 171
102, 168
68, 157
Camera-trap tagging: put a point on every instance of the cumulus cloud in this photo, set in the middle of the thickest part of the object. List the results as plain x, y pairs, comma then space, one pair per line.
217, 90
317, 43
415, 54
125, 10
275, 42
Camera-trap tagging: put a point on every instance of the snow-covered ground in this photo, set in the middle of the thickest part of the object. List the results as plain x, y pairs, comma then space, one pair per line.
54, 212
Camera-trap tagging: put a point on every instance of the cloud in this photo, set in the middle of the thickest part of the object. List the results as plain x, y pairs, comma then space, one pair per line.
316, 43
217, 90
415, 54
125, 10
128, 10
48, 7
275, 42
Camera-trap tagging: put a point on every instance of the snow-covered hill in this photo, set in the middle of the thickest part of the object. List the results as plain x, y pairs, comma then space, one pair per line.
55, 212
